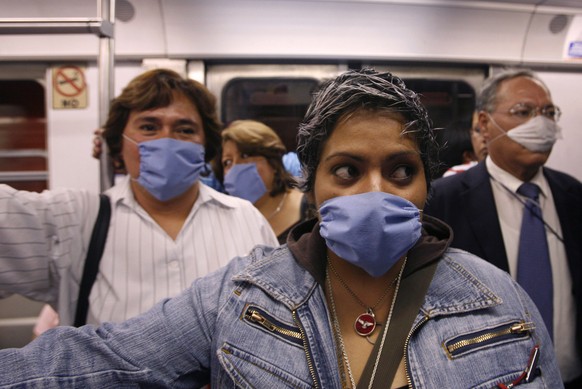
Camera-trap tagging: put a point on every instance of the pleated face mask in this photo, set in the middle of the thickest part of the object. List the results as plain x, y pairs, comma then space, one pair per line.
168, 167
371, 230
538, 134
243, 180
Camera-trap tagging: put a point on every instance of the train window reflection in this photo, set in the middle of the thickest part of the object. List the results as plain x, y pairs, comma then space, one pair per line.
447, 101
23, 155
280, 103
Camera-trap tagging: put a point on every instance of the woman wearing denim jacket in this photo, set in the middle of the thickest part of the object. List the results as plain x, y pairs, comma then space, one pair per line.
321, 311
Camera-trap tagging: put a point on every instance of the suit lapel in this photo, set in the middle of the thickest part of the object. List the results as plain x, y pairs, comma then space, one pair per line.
482, 212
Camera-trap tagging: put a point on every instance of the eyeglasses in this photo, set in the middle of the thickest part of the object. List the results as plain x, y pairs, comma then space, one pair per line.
527, 111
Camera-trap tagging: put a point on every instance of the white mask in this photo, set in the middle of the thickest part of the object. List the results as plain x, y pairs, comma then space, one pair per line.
538, 134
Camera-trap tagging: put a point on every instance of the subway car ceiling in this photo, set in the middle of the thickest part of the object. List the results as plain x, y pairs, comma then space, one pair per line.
529, 32
270, 54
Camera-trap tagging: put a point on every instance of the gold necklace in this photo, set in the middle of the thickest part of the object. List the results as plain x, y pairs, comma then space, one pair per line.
365, 323
276, 211
342, 355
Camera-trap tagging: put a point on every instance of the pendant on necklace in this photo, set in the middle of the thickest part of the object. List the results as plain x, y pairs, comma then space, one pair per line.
365, 324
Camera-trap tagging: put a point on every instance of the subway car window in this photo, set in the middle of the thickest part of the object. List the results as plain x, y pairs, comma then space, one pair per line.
280, 103
450, 105
23, 156
447, 101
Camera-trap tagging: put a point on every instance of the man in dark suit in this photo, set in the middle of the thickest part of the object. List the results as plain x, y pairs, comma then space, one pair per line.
483, 206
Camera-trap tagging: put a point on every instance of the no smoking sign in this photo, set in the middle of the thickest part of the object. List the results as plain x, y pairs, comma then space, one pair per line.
69, 87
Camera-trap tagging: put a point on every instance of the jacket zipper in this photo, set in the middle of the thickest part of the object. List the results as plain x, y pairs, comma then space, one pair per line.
516, 328
520, 328
306, 349
256, 317
408, 379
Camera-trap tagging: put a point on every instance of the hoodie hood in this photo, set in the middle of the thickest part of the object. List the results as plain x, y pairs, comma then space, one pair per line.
309, 248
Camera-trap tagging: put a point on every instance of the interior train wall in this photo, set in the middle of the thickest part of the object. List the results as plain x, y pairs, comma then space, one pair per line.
445, 32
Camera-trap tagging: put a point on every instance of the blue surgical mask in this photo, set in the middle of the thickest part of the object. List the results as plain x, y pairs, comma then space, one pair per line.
538, 134
371, 230
168, 167
243, 180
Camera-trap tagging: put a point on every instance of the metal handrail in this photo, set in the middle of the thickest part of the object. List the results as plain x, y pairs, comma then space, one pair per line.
106, 91
96, 26
30, 175
27, 153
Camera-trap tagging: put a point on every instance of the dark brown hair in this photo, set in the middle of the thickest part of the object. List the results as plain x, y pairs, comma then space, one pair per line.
156, 89
355, 90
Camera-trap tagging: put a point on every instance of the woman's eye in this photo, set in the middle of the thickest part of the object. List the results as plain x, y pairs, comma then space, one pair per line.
226, 163
402, 172
346, 172
244, 156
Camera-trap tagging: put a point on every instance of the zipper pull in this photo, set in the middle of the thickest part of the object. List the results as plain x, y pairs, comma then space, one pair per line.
522, 327
530, 373
258, 318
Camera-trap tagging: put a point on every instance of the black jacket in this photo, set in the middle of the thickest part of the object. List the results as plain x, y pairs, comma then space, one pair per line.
465, 202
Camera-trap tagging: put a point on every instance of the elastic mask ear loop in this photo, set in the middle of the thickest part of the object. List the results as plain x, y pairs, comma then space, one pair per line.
137, 144
504, 133
129, 139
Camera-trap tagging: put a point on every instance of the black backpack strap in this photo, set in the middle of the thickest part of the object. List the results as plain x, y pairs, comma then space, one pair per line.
94, 253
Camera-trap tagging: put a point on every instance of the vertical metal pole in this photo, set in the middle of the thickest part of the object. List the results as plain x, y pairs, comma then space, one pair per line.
106, 85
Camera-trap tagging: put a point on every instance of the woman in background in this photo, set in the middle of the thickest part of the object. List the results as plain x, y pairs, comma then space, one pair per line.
252, 164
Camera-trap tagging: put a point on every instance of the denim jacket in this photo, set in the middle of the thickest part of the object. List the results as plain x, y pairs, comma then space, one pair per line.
262, 322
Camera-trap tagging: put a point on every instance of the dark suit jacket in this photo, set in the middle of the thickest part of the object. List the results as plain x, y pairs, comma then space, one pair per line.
465, 201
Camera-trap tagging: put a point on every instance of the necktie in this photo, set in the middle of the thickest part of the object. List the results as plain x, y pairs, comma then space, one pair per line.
534, 272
